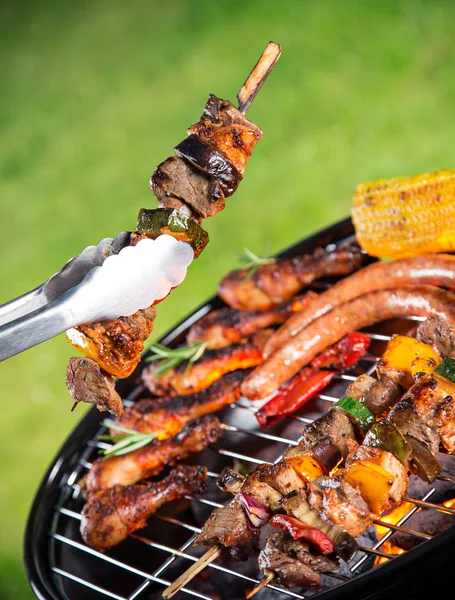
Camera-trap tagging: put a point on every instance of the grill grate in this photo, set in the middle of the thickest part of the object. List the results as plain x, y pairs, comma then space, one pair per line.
149, 560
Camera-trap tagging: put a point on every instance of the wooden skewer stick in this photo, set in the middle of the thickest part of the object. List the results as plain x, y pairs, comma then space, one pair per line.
258, 75
247, 94
264, 581
195, 568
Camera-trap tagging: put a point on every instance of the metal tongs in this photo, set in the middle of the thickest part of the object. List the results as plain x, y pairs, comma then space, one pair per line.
104, 282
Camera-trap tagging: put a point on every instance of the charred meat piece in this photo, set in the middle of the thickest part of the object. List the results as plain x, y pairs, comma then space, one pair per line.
111, 515
208, 369
151, 459
334, 425
228, 526
427, 412
341, 503
210, 161
432, 269
360, 386
280, 476
230, 481
262, 492
87, 382
438, 333
225, 127
168, 416
274, 283
408, 300
226, 326
115, 345
176, 178
292, 562
383, 394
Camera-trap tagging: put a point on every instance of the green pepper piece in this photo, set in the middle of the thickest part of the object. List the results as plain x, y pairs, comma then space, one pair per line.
154, 223
446, 369
387, 437
358, 411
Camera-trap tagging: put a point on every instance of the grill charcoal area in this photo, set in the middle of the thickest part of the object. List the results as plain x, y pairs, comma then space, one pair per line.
60, 565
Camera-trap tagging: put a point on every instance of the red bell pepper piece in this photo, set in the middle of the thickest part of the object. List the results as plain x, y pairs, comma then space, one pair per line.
343, 354
299, 530
298, 391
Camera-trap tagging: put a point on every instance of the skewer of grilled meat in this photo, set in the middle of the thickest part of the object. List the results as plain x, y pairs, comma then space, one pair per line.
370, 308
208, 369
190, 186
109, 516
227, 326
167, 416
151, 459
431, 269
277, 282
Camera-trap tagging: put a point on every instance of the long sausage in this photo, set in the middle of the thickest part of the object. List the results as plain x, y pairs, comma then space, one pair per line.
408, 300
437, 269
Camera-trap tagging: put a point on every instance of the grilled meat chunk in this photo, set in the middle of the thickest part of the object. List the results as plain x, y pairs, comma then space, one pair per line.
334, 425
292, 562
226, 326
115, 345
383, 394
208, 369
150, 459
111, 515
438, 333
87, 382
280, 476
341, 503
411, 300
274, 283
230, 481
227, 129
228, 526
167, 416
177, 178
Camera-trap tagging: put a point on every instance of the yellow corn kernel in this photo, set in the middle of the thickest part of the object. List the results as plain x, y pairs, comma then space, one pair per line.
406, 216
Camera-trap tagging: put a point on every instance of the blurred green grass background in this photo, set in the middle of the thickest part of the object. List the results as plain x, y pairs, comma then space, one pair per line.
95, 94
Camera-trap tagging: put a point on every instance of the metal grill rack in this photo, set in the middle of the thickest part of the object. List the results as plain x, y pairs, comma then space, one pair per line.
149, 560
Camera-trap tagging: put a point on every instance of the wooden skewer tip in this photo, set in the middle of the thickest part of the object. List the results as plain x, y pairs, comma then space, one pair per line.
258, 75
207, 558
264, 581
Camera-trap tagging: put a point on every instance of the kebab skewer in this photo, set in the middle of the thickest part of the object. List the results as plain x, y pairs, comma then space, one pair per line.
341, 503
207, 168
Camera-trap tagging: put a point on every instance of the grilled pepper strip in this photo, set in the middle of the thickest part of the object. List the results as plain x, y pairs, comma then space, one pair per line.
447, 369
300, 389
373, 482
386, 437
345, 353
358, 411
299, 530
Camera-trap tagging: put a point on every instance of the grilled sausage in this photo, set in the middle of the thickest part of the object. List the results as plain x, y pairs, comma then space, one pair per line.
437, 269
417, 300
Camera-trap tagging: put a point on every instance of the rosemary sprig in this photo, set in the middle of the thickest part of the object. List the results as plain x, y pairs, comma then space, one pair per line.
252, 262
126, 441
172, 357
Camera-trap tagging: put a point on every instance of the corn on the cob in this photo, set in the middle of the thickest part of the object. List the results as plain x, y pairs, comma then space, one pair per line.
406, 216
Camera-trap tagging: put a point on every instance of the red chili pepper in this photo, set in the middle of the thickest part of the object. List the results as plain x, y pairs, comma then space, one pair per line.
299, 530
343, 354
299, 390
310, 380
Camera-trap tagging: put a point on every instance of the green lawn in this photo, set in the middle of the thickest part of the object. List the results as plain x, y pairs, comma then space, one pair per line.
95, 94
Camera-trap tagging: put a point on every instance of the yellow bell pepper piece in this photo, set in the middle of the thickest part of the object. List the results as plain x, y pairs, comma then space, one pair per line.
307, 466
406, 356
373, 482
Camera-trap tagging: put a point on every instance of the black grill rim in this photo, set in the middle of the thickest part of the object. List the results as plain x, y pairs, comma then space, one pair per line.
391, 577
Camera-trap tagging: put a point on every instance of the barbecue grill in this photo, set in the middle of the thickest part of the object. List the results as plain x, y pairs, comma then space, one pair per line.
61, 566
